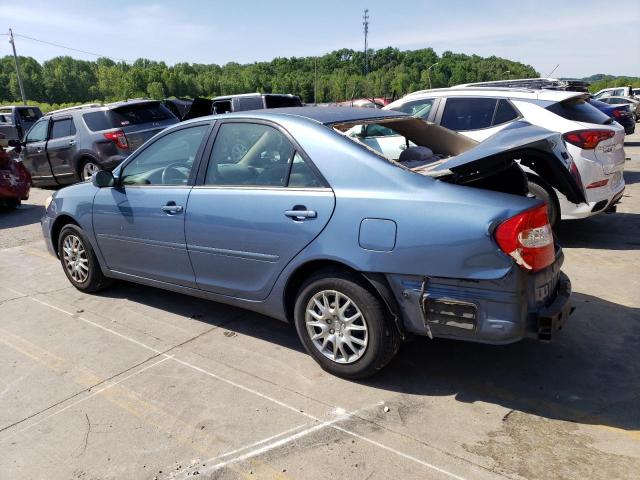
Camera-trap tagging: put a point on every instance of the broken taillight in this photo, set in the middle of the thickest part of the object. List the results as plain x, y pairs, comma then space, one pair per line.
528, 239
118, 137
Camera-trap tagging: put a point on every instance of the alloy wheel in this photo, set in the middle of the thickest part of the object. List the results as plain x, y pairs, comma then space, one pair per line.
88, 170
75, 258
336, 326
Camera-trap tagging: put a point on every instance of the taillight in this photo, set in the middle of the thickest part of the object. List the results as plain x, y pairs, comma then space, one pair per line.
588, 139
528, 239
118, 137
617, 114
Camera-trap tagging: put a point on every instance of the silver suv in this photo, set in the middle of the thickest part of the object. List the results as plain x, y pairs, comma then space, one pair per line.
70, 145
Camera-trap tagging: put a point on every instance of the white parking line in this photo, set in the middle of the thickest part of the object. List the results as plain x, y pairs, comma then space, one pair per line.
319, 426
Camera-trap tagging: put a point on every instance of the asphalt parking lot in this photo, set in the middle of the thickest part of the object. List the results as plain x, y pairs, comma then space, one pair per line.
141, 383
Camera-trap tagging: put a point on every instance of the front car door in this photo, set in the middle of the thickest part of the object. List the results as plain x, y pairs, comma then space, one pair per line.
61, 148
139, 223
250, 215
34, 153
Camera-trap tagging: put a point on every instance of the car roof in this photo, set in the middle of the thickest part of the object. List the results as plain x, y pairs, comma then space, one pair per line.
523, 93
256, 94
323, 115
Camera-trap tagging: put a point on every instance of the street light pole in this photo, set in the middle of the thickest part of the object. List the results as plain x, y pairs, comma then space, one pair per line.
15, 57
429, 73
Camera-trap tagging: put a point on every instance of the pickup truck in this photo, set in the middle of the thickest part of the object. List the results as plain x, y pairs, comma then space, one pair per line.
16, 120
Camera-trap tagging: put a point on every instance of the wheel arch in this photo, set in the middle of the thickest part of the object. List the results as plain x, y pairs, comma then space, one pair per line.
376, 281
57, 227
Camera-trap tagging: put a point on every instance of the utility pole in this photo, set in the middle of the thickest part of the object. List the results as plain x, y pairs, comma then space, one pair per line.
15, 57
315, 81
365, 22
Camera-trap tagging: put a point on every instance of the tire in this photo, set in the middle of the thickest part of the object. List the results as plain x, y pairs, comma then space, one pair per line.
543, 191
87, 168
380, 337
74, 251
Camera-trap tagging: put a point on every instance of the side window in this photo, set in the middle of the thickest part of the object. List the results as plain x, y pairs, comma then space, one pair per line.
417, 108
167, 161
63, 128
504, 113
461, 114
38, 132
302, 176
249, 154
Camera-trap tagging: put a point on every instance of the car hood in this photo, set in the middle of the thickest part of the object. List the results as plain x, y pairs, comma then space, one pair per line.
553, 163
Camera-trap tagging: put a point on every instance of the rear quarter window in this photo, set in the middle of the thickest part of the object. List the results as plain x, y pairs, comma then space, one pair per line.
579, 110
97, 121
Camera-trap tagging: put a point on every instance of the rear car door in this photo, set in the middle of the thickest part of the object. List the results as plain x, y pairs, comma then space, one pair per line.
34, 153
476, 117
139, 223
61, 148
250, 215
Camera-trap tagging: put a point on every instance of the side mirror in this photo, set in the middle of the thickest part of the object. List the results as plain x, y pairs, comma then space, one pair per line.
16, 144
102, 179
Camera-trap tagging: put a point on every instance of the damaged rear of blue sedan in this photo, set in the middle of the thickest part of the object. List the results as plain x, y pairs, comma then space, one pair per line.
290, 214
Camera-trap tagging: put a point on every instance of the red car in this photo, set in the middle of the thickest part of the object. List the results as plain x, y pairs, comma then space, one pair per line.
15, 180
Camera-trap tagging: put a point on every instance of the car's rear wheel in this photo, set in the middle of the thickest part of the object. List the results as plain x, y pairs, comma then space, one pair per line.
79, 261
543, 191
88, 168
344, 326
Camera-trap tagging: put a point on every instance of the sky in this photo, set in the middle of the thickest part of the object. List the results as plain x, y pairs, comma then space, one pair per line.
583, 36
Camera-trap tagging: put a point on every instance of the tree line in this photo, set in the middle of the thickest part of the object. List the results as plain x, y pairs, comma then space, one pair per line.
336, 76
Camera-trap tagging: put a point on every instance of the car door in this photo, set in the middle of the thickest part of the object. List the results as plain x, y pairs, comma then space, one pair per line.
61, 149
476, 117
34, 153
250, 215
139, 223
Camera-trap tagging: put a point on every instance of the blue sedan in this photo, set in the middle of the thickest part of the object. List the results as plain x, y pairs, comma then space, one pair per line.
284, 213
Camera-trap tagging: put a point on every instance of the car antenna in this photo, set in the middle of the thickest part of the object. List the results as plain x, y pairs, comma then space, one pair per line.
551, 72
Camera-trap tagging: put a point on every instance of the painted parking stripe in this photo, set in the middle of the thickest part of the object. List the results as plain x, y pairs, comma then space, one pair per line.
321, 424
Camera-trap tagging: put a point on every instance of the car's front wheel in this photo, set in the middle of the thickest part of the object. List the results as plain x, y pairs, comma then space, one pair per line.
344, 326
79, 261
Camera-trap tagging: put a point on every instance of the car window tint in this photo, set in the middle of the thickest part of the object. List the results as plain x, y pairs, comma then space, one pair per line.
38, 132
249, 154
138, 113
302, 175
28, 114
249, 103
418, 108
62, 128
579, 110
504, 113
462, 114
167, 161
97, 121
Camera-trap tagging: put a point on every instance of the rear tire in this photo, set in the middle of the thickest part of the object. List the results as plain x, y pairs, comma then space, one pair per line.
79, 261
87, 168
543, 191
334, 306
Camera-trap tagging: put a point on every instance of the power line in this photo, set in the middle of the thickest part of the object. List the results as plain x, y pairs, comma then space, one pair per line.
69, 48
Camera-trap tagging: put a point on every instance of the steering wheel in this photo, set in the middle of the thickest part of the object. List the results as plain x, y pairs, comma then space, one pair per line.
172, 169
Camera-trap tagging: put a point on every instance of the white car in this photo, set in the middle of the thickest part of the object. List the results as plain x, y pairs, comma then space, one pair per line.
615, 92
593, 140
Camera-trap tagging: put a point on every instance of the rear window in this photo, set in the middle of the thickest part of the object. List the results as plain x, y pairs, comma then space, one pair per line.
139, 113
579, 110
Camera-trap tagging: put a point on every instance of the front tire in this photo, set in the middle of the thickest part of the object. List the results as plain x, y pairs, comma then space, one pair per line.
543, 191
344, 326
79, 261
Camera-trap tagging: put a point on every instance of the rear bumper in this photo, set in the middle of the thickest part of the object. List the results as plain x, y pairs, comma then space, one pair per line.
499, 311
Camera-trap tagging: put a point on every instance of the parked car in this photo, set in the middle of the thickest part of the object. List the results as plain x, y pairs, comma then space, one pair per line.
632, 103
377, 102
314, 227
15, 181
593, 140
253, 101
70, 145
615, 92
15, 121
187, 108
620, 113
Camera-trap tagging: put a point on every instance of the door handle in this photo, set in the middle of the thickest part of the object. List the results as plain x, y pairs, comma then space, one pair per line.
72, 142
301, 214
39, 150
172, 208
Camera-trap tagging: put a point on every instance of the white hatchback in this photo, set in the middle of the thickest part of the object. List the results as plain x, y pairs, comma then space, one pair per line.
595, 142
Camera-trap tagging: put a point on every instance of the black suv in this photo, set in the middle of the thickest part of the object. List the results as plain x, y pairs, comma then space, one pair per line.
16, 120
70, 145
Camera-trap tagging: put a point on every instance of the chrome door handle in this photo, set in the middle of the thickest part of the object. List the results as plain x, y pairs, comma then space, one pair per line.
172, 208
72, 142
301, 214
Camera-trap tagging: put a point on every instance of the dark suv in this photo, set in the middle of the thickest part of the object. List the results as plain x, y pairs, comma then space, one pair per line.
16, 120
70, 145
253, 101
